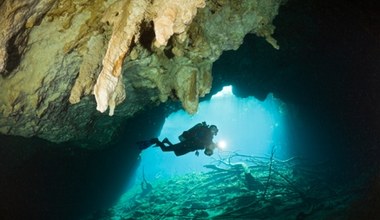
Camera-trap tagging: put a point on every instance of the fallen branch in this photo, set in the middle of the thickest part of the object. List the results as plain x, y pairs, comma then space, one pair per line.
270, 171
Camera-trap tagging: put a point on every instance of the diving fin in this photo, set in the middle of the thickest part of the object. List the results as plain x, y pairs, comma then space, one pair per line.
146, 144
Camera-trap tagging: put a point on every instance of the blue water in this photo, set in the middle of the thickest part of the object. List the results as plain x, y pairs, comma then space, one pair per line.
246, 126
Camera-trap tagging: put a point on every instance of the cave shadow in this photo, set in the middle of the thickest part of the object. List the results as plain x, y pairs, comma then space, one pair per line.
43, 180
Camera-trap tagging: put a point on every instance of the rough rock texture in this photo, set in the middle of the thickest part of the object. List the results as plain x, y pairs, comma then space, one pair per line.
129, 53
17, 18
125, 17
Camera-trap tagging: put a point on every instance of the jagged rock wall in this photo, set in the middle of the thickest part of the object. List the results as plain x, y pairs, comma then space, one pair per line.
129, 53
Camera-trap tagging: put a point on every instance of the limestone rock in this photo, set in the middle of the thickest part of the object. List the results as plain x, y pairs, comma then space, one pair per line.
129, 15
88, 69
173, 17
129, 53
17, 17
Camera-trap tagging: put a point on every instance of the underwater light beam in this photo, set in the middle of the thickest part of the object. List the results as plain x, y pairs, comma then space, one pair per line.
251, 127
222, 144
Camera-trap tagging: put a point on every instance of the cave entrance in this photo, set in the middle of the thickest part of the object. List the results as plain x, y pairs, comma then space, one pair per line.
246, 125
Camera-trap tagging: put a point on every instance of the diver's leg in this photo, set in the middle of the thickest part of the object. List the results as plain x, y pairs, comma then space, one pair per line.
164, 147
145, 144
166, 141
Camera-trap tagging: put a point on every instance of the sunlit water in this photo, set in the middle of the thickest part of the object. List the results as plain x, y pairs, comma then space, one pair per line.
246, 126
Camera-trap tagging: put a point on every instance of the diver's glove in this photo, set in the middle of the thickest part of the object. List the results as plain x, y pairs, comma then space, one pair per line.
197, 153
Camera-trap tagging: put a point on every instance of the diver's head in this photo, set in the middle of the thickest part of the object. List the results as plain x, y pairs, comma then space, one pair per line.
214, 129
208, 152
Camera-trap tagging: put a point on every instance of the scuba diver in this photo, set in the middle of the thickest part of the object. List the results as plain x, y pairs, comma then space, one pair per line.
146, 187
196, 138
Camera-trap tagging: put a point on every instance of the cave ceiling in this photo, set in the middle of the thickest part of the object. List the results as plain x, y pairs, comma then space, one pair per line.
74, 70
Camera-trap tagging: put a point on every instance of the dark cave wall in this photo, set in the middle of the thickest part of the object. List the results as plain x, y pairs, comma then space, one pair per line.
327, 68
43, 180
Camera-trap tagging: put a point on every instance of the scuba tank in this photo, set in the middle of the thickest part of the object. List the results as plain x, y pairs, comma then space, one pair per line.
192, 132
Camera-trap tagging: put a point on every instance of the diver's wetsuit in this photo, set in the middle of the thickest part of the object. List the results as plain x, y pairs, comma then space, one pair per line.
180, 148
196, 138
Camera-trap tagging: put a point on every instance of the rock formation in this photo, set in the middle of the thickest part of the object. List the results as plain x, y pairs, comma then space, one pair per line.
56, 54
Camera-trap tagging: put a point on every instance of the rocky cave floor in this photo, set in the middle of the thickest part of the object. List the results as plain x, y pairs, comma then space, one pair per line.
243, 187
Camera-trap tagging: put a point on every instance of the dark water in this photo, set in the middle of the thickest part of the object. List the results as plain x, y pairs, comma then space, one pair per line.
327, 67
41, 180
58, 182
327, 73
